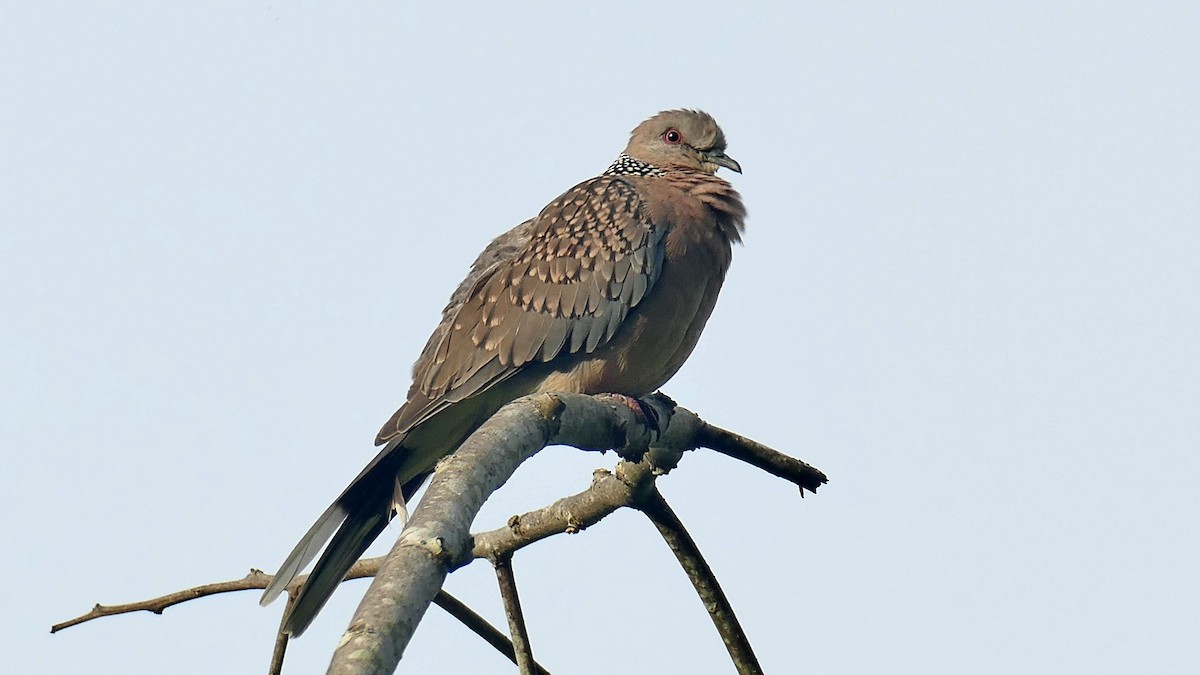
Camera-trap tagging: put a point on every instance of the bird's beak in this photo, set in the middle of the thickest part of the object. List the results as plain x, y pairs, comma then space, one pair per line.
721, 159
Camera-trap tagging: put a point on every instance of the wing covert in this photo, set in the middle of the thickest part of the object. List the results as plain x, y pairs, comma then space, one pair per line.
587, 259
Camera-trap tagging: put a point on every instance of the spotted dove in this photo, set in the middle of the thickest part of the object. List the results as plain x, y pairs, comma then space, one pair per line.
605, 291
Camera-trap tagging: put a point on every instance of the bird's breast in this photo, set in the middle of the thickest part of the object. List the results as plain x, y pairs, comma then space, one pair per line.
659, 333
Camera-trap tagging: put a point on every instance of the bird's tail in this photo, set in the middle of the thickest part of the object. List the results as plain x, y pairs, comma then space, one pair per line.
353, 521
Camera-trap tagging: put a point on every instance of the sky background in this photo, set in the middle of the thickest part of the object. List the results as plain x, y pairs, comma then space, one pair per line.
968, 292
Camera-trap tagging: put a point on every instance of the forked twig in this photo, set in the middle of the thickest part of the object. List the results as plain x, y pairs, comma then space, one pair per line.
481, 464
258, 580
482, 628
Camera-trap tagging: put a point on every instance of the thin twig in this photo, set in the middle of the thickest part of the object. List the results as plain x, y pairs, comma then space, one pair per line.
516, 619
804, 475
608, 492
258, 580
281, 639
702, 578
577, 424
482, 628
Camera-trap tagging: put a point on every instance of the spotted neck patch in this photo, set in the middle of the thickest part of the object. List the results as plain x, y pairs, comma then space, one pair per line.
628, 166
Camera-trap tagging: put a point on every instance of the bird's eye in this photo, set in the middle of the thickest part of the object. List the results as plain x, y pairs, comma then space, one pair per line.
673, 137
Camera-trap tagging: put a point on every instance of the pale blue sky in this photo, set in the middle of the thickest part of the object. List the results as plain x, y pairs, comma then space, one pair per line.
969, 293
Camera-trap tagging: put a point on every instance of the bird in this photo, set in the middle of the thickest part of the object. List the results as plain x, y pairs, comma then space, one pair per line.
605, 290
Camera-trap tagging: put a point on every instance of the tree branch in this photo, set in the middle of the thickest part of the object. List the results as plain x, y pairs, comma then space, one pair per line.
608, 492
701, 575
516, 619
804, 475
651, 441
255, 579
281, 639
258, 580
481, 627
437, 537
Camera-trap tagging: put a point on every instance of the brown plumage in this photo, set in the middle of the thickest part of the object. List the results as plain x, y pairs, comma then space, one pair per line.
606, 290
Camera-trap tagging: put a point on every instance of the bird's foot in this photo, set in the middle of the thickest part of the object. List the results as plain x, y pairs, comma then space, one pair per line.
646, 413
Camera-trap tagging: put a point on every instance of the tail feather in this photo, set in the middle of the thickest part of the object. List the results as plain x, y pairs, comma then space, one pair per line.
361, 527
360, 514
307, 549
381, 470
354, 521
351, 540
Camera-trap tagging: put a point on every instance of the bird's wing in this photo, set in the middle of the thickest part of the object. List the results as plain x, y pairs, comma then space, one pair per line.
560, 284
555, 286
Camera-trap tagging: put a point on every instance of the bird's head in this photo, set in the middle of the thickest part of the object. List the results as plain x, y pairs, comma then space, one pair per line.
688, 139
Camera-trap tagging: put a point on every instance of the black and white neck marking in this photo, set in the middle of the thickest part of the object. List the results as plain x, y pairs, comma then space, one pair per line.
628, 166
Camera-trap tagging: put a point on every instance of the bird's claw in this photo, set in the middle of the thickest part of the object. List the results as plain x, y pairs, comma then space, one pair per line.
646, 413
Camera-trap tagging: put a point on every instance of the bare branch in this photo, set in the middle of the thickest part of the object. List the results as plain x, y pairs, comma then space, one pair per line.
516, 619
607, 493
804, 475
702, 578
281, 640
256, 579
482, 628
437, 537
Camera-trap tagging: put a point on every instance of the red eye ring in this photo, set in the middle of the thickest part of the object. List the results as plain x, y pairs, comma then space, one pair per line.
673, 136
